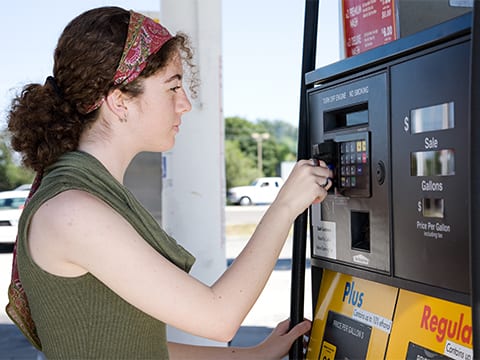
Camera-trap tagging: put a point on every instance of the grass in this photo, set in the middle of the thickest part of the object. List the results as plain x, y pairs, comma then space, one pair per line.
240, 229
243, 230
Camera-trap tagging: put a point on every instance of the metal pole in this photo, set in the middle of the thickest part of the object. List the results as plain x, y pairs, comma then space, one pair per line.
303, 152
259, 155
475, 178
259, 139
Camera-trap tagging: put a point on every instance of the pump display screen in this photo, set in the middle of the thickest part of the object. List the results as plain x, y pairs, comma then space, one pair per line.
341, 118
433, 208
357, 118
437, 117
433, 163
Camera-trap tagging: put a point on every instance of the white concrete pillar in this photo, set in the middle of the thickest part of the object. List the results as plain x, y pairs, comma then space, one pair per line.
193, 207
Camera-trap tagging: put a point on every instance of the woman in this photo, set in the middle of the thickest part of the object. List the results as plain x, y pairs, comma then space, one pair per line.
101, 277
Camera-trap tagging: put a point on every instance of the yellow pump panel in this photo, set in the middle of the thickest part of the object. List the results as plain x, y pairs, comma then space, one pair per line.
360, 319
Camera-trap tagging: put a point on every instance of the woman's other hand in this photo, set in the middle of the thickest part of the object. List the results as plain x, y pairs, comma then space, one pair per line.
278, 343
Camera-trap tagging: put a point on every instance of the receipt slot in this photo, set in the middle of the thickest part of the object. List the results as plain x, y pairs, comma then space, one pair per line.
349, 128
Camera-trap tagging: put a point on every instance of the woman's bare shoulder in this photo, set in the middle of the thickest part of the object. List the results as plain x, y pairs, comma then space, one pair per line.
73, 208
69, 200
65, 227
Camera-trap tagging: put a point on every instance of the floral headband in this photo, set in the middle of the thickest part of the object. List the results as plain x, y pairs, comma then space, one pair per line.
144, 38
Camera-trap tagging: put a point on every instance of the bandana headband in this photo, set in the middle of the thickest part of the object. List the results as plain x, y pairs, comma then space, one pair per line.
144, 38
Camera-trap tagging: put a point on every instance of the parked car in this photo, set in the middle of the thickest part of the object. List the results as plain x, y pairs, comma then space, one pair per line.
24, 187
11, 206
261, 191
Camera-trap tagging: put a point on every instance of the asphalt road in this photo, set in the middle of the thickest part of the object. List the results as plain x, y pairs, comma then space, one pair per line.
244, 215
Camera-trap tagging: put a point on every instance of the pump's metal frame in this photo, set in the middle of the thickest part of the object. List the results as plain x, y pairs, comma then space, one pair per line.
300, 225
475, 178
303, 152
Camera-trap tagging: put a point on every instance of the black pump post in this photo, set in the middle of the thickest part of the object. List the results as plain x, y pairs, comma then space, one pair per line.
303, 152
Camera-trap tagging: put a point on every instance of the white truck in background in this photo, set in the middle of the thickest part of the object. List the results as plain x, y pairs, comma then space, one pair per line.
261, 191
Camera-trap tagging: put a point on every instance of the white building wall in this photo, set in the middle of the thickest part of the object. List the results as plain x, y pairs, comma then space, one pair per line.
193, 195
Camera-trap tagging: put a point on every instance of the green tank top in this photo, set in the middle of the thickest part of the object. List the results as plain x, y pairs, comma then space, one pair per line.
81, 318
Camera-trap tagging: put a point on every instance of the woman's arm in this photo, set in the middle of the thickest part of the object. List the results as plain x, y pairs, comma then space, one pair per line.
75, 233
275, 347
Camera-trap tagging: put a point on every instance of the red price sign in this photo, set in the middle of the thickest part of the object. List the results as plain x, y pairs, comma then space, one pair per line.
368, 24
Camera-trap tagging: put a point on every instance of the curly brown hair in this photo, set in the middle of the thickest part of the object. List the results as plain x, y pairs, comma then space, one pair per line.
47, 120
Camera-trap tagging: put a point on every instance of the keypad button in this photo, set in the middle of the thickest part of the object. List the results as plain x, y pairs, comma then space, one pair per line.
364, 157
352, 146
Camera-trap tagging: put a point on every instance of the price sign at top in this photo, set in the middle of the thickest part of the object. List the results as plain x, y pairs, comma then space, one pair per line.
368, 24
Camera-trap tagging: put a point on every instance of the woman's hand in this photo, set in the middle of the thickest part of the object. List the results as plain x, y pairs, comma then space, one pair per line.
275, 347
278, 343
307, 184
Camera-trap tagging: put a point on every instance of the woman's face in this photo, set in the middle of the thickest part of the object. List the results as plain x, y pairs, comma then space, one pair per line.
159, 109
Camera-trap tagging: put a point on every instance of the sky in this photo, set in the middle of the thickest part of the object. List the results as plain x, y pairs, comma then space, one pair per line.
261, 49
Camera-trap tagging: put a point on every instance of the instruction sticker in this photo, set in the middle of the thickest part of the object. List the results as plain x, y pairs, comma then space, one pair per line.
325, 240
372, 319
328, 351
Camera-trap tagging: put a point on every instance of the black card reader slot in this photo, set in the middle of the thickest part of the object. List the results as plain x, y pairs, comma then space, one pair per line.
348, 156
327, 152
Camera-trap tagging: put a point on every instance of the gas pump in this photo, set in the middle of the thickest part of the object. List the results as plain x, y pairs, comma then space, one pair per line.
390, 245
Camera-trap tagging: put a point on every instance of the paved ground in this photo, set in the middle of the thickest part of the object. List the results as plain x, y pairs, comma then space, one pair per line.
272, 307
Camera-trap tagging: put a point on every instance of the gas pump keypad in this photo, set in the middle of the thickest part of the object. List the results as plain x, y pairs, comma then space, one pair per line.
353, 159
353, 171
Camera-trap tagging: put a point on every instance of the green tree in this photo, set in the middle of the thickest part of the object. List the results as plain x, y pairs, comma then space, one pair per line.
281, 146
283, 132
239, 169
5, 159
11, 174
